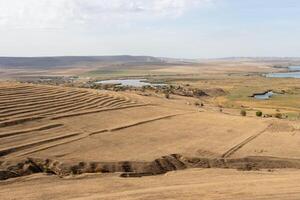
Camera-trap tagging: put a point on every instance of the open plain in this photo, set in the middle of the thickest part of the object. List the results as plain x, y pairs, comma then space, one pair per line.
138, 143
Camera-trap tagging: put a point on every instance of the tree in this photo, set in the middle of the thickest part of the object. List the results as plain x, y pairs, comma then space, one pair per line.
259, 113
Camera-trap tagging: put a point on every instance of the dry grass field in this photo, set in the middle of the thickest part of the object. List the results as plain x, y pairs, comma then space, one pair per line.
91, 140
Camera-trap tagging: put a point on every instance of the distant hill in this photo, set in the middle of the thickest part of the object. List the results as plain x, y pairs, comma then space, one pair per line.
64, 61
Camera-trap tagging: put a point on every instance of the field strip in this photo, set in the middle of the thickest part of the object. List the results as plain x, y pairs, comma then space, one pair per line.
54, 106
12, 90
16, 121
50, 110
40, 128
71, 98
40, 105
36, 93
84, 135
125, 102
112, 102
146, 121
98, 110
32, 103
103, 103
243, 143
34, 99
90, 105
10, 150
136, 124
53, 95
48, 146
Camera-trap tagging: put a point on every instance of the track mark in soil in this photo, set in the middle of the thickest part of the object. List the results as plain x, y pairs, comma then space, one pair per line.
243, 143
40, 128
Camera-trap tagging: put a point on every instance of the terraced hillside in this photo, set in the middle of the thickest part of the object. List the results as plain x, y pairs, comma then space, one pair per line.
29, 113
72, 132
27, 103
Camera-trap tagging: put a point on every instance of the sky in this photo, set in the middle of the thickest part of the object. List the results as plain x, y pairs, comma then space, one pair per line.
163, 28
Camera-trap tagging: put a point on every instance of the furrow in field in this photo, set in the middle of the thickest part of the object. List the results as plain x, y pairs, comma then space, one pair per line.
85, 106
37, 111
119, 103
33, 99
96, 103
145, 121
26, 94
243, 143
6, 151
100, 131
50, 110
106, 101
48, 101
16, 121
51, 145
37, 106
107, 104
31, 90
16, 88
96, 111
46, 111
40, 128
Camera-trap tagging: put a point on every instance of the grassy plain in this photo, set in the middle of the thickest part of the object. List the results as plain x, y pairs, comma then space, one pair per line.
78, 143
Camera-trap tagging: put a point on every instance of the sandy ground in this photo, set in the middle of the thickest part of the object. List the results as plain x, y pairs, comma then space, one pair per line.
189, 184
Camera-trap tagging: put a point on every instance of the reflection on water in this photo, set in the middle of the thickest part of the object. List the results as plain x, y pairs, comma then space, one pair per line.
294, 73
130, 82
294, 68
264, 96
284, 75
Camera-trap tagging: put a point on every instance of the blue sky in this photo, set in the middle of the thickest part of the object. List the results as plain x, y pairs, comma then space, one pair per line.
166, 28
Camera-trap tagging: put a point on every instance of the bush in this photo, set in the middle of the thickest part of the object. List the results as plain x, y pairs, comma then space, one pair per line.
259, 113
278, 115
167, 95
243, 112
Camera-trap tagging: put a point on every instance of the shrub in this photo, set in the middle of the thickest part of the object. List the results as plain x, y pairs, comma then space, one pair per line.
259, 113
243, 112
167, 95
278, 115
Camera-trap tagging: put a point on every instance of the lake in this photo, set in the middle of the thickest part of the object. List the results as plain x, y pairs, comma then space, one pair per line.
131, 82
264, 96
294, 68
294, 72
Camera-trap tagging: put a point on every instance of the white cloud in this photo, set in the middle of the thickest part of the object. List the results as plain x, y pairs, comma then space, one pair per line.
62, 13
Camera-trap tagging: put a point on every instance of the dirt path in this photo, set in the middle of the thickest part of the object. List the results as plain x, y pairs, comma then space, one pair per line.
235, 148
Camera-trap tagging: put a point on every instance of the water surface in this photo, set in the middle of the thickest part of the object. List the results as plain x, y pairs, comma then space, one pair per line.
130, 82
264, 96
294, 72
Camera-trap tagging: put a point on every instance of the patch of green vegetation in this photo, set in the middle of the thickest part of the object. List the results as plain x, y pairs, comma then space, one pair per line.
258, 113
